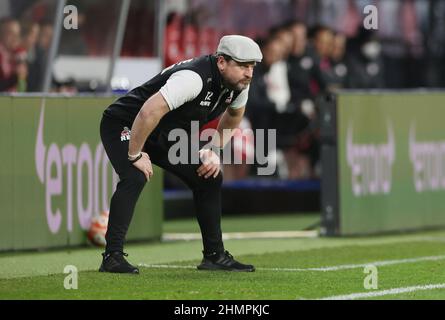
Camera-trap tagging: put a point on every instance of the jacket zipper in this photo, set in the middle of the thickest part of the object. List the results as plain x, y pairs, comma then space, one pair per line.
219, 98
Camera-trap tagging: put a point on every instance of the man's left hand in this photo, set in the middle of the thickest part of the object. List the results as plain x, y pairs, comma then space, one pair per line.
210, 164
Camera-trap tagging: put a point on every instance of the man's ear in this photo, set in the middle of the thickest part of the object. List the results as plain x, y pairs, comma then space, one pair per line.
221, 62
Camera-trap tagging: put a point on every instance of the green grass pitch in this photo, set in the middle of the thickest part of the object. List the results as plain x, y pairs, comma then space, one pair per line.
409, 266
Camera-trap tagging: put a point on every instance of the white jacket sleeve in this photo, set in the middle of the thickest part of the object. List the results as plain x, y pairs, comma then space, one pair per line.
182, 86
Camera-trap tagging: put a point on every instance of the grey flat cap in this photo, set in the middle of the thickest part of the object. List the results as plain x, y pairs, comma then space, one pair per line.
240, 48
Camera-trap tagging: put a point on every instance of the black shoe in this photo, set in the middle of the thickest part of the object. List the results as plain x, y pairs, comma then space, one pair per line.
223, 261
115, 262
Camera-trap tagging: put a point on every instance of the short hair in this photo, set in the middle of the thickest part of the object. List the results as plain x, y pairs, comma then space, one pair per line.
6, 20
225, 56
315, 30
27, 26
294, 22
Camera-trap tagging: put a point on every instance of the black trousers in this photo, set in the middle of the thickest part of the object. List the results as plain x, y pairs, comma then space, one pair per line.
206, 192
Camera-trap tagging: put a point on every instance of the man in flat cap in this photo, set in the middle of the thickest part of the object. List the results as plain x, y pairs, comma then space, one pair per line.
196, 90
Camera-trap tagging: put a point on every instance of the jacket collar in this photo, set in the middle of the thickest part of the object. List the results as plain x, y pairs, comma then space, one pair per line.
216, 75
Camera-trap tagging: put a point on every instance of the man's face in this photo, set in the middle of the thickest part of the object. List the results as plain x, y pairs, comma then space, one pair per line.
273, 52
10, 35
31, 38
324, 42
46, 36
300, 38
339, 46
286, 38
236, 75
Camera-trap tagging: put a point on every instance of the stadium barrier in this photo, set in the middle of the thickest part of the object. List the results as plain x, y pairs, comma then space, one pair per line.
383, 159
55, 175
251, 196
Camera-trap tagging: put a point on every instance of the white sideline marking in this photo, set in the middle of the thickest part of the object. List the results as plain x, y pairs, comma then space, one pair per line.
376, 263
381, 293
244, 235
320, 269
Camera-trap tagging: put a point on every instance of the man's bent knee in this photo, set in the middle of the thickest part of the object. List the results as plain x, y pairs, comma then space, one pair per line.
135, 177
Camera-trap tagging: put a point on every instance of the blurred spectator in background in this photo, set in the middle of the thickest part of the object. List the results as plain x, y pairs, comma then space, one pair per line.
338, 62
45, 36
287, 118
365, 62
285, 35
34, 55
322, 41
262, 107
271, 105
278, 84
42, 48
306, 81
13, 68
305, 76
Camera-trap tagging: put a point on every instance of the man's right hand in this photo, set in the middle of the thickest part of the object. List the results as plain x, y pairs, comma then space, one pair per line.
144, 164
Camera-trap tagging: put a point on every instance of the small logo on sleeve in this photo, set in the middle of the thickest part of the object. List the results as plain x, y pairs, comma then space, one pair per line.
125, 134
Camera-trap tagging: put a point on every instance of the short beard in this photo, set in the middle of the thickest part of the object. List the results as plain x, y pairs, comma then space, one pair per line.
233, 86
